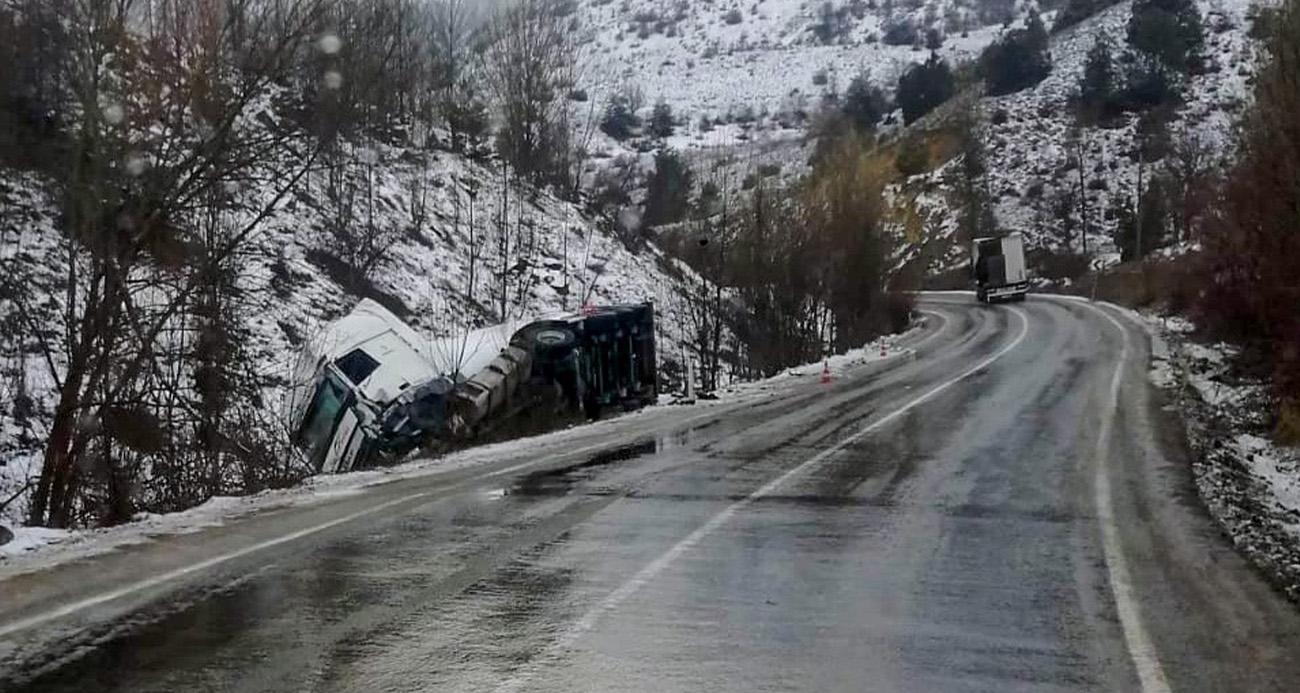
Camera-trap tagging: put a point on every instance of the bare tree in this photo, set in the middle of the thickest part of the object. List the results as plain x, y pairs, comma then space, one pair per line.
147, 164
1077, 145
356, 234
1192, 168
528, 65
453, 23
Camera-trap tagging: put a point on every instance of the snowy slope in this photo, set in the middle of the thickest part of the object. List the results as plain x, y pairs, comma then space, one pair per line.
767, 63
291, 284
1031, 147
1249, 483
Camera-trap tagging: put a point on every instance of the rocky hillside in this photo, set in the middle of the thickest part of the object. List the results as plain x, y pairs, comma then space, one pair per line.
744, 80
1035, 151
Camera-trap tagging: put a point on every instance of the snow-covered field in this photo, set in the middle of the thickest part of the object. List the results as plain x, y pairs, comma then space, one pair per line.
1250, 484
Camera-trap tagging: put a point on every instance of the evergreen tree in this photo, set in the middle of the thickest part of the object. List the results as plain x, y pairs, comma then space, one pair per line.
1076, 11
661, 121
923, 87
1170, 31
913, 156
864, 103
467, 116
1018, 60
1252, 253
620, 120
669, 194
1147, 84
1146, 229
1097, 88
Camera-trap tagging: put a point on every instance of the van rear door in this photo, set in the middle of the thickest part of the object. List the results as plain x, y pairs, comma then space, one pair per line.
1013, 250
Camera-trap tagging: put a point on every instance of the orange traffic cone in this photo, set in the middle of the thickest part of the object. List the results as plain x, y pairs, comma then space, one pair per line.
884, 349
826, 373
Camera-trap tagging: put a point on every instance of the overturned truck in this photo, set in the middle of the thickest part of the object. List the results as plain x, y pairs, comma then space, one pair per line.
369, 389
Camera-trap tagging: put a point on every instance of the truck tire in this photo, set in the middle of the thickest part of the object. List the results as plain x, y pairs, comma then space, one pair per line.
554, 339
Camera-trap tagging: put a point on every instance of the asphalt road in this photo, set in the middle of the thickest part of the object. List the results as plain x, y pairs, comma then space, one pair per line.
1010, 511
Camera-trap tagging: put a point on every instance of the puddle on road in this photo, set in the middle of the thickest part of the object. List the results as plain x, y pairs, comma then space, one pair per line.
561, 481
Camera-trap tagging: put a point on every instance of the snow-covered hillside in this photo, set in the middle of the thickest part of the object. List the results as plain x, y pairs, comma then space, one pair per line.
745, 80
747, 66
292, 281
1032, 158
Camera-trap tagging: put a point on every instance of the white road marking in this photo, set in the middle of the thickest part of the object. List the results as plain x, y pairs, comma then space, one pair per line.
658, 565
13, 627
1151, 676
933, 335
105, 597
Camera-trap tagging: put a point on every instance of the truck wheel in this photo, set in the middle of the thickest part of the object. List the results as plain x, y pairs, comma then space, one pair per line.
554, 339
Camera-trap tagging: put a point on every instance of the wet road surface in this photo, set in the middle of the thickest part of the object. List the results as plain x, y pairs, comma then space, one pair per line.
1011, 511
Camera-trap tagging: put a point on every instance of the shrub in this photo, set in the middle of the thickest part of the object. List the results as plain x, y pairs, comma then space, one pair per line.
923, 87
1018, 60
864, 103
661, 121
1170, 31
913, 156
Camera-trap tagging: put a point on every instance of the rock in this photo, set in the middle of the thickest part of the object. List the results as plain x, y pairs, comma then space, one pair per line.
5, 535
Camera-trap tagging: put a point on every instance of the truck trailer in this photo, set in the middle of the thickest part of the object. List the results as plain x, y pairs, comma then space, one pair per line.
368, 389
998, 267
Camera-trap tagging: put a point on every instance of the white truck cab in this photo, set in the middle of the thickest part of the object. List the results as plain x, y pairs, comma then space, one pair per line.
367, 372
368, 389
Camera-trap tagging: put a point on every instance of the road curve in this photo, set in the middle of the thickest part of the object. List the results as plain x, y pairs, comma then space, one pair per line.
1012, 510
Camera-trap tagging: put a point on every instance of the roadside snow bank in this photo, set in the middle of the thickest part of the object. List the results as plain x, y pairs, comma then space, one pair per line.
1250, 484
35, 548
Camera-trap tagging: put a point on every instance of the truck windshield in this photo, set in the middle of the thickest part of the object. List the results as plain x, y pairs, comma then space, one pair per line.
322, 416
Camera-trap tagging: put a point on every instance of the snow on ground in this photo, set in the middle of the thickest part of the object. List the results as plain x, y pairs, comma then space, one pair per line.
1250, 484
763, 60
743, 79
879, 350
37, 548
1031, 153
293, 283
